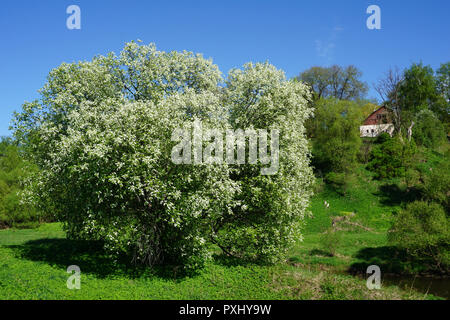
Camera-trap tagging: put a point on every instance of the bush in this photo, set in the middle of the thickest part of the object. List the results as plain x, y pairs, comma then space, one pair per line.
382, 138
391, 158
423, 230
104, 143
330, 241
436, 185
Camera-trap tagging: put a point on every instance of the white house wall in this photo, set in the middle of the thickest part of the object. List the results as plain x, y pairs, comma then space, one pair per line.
375, 129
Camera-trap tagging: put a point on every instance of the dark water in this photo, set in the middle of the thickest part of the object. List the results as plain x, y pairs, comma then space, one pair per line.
438, 286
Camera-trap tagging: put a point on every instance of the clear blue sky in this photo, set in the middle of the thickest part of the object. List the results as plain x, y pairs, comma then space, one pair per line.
292, 35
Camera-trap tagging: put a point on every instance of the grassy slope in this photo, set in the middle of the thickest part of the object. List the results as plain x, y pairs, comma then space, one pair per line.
33, 262
373, 203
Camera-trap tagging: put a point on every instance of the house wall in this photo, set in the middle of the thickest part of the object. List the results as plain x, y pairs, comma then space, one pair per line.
375, 129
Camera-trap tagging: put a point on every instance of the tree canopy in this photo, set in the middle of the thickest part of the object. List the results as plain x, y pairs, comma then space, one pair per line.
342, 83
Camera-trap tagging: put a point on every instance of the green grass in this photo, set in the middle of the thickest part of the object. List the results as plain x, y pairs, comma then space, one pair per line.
33, 266
371, 205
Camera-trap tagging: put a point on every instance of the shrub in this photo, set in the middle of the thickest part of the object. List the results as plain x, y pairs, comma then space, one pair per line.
391, 158
104, 142
330, 241
382, 138
436, 185
422, 229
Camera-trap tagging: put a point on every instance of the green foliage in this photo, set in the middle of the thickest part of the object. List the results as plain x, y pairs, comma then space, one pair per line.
428, 130
371, 203
443, 80
382, 138
367, 108
13, 171
391, 158
336, 136
368, 144
103, 136
420, 90
436, 185
416, 89
423, 229
443, 88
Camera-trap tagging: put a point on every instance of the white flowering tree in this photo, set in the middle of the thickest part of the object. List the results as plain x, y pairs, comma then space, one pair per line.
102, 135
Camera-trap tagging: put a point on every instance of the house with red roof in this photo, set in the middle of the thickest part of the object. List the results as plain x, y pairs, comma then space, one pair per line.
377, 122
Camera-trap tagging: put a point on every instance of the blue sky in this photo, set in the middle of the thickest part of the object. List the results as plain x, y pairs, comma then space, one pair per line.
292, 35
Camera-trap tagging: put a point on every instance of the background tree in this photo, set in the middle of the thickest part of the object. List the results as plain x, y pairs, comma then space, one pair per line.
443, 80
318, 78
335, 136
443, 88
335, 81
13, 171
428, 130
388, 89
367, 108
418, 91
417, 88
